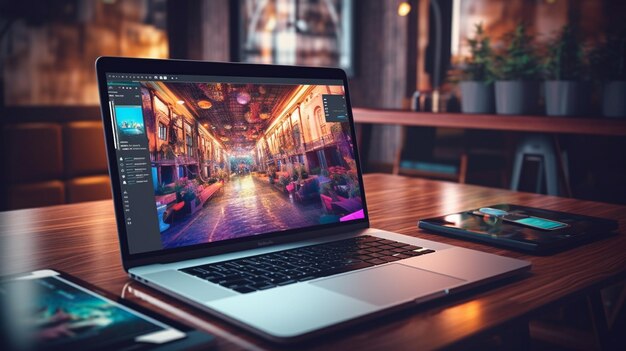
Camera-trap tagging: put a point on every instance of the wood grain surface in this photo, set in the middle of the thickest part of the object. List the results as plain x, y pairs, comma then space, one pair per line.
81, 239
538, 124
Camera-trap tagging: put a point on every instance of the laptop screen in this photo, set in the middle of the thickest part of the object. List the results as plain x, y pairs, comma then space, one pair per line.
206, 159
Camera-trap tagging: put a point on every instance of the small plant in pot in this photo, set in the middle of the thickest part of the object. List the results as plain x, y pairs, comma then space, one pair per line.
609, 67
565, 92
518, 68
477, 95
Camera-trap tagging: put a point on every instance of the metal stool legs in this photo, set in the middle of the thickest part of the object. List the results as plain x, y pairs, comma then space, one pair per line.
540, 148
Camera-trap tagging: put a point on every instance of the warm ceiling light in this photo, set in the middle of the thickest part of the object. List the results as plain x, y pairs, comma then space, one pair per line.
404, 8
264, 115
206, 124
180, 102
205, 104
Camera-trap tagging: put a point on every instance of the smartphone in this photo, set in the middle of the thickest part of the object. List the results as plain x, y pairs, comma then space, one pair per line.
534, 222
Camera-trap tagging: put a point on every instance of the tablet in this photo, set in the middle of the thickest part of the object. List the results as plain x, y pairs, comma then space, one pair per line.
524, 228
51, 310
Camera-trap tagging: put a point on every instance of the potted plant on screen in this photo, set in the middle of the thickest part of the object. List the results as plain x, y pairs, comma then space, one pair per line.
565, 92
609, 63
518, 68
477, 95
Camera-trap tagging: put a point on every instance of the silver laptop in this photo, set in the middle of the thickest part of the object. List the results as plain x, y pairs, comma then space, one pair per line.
238, 190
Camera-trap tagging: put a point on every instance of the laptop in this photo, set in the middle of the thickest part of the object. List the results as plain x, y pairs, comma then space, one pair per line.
238, 190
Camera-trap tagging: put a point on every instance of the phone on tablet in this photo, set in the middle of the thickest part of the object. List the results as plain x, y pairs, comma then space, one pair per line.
521, 218
51, 310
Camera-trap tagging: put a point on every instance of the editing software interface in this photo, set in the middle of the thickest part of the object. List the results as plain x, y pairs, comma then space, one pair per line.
206, 158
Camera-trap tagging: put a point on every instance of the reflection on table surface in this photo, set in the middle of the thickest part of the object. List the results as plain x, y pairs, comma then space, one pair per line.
138, 293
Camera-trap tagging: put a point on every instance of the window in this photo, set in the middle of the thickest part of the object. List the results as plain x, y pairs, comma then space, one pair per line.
320, 120
284, 31
188, 140
162, 131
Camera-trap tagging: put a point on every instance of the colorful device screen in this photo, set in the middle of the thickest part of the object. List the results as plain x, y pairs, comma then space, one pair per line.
536, 222
523, 219
541, 223
46, 311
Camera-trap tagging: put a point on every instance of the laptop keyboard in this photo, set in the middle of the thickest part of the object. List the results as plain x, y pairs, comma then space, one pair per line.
281, 268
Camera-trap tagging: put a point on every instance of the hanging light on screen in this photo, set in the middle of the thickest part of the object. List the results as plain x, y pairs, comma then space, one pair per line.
243, 98
404, 9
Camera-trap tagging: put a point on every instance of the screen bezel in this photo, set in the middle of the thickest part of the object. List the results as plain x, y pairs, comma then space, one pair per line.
106, 65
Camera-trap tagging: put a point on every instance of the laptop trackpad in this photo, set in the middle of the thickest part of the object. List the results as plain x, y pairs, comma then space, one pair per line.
389, 284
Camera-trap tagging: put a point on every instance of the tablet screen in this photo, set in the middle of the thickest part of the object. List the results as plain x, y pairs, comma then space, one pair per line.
46, 311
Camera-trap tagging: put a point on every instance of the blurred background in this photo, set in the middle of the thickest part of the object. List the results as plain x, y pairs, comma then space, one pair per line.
400, 55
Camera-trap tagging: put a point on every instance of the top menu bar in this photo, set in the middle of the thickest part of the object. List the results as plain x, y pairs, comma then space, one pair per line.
130, 77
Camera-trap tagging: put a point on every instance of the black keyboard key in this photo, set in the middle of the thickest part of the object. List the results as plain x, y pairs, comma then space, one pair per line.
234, 282
257, 280
262, 285
413, 253
244, 289
214, 278
287, 282
376, 261
397, 244
363, 257
279, 280
339, 270
402, 256
410, 247
323, 266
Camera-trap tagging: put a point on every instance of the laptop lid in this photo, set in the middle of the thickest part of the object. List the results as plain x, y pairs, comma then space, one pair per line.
206, 157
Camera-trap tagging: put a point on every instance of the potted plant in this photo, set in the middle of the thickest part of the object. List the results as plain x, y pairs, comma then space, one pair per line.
609, 63
477, 95
517, 85
565, 92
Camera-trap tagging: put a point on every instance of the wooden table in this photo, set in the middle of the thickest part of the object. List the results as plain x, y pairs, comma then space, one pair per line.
81, 239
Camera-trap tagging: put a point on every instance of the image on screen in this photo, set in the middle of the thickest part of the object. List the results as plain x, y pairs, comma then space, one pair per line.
129, 120
52, 314
233, 160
